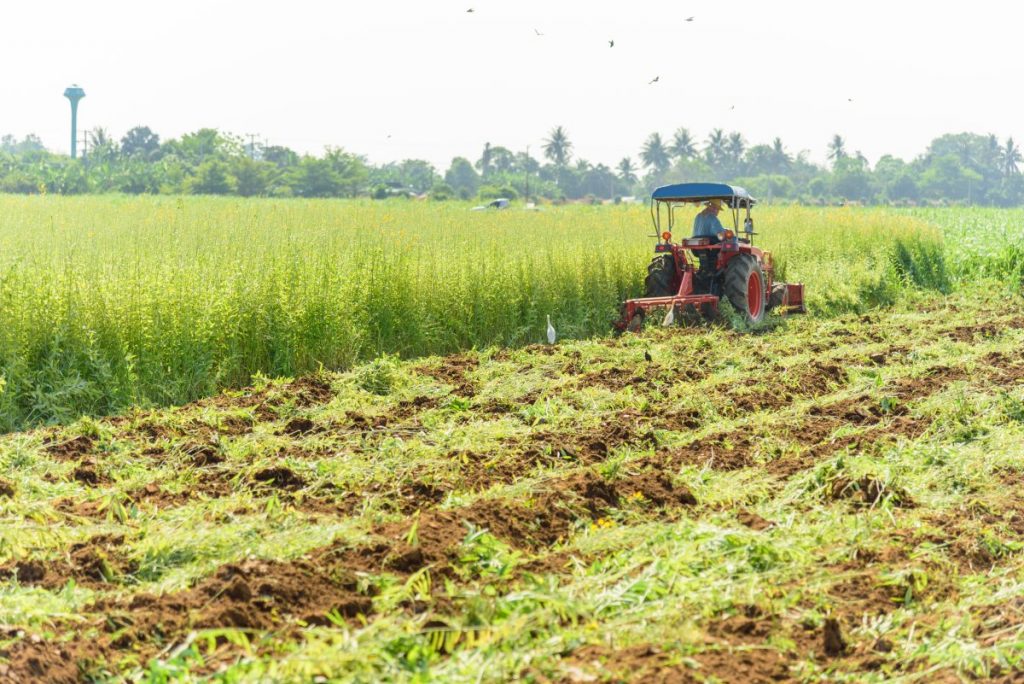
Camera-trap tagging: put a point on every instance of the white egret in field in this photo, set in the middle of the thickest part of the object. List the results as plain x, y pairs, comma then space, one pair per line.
551, 331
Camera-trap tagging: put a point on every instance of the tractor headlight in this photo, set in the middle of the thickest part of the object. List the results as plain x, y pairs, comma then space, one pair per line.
666, 236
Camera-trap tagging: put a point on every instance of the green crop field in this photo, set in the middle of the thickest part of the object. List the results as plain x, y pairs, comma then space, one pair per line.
108, 303
401, 484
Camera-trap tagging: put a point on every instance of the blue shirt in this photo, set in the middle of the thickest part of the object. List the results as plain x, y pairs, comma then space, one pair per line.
706, 224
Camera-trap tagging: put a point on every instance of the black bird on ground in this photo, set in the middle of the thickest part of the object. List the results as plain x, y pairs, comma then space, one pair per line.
647, 356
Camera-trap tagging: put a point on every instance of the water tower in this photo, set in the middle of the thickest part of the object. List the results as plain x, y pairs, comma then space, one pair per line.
74, 93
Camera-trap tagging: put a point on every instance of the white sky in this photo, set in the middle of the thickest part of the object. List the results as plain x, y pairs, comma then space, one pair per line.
441, 81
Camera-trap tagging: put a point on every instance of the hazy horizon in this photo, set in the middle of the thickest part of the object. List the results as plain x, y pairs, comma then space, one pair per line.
408, 80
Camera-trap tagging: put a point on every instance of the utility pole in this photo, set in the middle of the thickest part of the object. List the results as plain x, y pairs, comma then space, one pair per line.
526, 168
252, 145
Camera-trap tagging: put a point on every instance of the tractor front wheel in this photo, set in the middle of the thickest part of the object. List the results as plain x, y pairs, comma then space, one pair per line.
745, 287
661, 277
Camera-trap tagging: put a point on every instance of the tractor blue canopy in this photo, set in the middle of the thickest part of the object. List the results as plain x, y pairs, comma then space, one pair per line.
731, 195
676, 196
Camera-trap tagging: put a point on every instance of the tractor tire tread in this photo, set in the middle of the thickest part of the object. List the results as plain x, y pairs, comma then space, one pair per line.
737, 274
661, 275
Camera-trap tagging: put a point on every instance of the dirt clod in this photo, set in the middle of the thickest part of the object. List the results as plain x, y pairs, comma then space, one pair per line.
280, 477
30, 572
297, 427
71, 448
658, 488
752, 520
238, 590
833, 638
86, 474
202, 455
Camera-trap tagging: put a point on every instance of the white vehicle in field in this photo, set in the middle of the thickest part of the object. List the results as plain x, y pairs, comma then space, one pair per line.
500, 203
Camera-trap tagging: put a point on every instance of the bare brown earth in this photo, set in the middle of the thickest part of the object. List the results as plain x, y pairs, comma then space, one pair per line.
533, 486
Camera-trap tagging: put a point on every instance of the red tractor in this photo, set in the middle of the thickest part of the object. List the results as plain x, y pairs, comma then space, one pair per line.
725, 264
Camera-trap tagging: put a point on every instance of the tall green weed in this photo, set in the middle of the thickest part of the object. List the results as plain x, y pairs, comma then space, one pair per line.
110, 302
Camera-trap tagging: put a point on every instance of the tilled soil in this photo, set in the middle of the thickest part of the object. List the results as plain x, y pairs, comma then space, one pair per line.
527, 491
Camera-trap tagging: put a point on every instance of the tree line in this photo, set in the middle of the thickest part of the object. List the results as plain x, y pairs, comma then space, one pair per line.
961, 168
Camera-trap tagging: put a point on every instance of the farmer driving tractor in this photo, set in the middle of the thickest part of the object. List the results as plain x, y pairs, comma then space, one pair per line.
706, 223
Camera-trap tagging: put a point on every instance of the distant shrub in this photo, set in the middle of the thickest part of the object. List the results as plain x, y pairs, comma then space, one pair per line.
441, 192
489, 192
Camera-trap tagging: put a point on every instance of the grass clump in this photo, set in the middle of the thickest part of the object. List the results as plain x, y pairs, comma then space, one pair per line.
380, 376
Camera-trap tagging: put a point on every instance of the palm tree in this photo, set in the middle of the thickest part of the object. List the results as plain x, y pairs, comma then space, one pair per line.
682, 147
557, 147
1010, 157
780, 159
837, 148
99, 136
735, 147
654, 154
626, 171
104, 148
993, 153
715, 149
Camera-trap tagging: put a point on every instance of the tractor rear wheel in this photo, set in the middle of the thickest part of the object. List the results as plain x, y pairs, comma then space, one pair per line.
661, 276
745, 287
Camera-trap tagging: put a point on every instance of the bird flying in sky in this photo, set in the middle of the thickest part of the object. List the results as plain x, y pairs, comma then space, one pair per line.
689, 18
611, 43
653, 80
